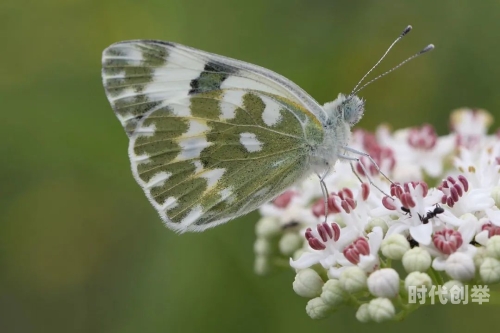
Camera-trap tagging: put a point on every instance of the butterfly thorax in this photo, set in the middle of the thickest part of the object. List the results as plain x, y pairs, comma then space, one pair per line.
342, 113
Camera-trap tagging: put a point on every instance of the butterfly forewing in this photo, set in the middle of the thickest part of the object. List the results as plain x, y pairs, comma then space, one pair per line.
210, 140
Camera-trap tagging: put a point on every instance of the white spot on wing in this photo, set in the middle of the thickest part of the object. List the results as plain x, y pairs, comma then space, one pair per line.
162, 86
144, 158
213, 176
226, 194
198, 166
170, 203
261, 192
180, 110
169, 74
231, 100
158, 179
191, 147
196, 127
250, 142
125, 93
192, 216
271, 114
146, 131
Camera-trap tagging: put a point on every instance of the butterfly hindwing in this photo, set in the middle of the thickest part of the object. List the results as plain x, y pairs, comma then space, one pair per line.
209, 141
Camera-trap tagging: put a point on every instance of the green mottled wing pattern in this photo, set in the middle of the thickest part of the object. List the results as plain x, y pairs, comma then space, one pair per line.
211, 138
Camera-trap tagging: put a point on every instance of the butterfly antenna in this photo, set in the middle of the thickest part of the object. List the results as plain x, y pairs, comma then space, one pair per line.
404, 33
426, 49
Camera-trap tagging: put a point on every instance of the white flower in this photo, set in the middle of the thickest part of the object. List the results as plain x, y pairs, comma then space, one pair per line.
493, 247
460, 266
317, 309
480, 166
353, 279
262, 246
340, 177
461, 199
490, 270
418, 279
381, 309
267, 227
417, 200
488, 229
448, 242
384, 283
362, 314
325, 245
307, 283
416, 260
383, 155
494, 216
395, 246
480, 255
453, 227
289, 243
470, 126
452, 290
333, 293
289, 207
361, 253
420, 148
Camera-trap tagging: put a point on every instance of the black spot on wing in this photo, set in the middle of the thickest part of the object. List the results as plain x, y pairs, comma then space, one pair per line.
211, 78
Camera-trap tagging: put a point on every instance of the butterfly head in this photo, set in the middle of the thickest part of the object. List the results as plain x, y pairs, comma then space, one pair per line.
349, 109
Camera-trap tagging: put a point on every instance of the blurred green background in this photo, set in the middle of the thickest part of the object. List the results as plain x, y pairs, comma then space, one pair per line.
81, 249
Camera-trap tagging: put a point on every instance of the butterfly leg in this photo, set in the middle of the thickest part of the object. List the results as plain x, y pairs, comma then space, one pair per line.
349, 158
355, 173
325, 191
357, 152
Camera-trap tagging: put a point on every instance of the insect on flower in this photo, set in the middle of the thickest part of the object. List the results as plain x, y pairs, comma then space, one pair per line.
431, 214
212, 138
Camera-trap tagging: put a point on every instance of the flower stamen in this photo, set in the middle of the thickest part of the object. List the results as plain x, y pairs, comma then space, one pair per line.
453, 189
359, 247
326, 232
447, 240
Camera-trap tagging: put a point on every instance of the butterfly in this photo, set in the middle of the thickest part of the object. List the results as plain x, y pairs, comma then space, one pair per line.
212, 138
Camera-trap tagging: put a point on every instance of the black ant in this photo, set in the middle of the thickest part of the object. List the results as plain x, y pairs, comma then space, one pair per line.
413, 243
431, 214
406, 210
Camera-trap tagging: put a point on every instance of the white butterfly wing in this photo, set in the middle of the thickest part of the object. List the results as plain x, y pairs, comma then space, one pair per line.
211, 138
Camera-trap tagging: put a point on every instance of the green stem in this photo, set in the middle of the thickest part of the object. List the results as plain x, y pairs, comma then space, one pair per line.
437, 279
406, 309
389, 262
432, 274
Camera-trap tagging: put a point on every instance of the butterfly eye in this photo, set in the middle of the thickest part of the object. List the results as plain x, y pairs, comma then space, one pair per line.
353, 109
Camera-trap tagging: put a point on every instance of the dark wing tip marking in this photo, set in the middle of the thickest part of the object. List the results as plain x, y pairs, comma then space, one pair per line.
211, 78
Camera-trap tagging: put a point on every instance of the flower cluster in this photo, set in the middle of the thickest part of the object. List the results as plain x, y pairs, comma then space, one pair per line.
437, 223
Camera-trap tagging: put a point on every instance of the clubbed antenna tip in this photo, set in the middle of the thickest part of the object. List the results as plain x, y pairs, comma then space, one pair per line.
407, 30
428, 48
